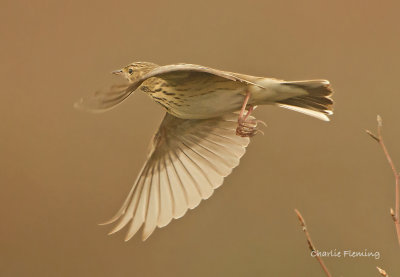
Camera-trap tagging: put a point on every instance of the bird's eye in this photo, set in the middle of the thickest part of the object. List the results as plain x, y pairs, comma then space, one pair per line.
130, 70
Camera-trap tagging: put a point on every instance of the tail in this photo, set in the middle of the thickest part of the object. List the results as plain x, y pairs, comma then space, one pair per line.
316, 102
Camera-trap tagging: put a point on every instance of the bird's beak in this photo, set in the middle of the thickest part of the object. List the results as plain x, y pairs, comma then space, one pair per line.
117, 72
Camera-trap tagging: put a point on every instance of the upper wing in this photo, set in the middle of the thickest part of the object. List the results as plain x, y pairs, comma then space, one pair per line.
188, 160
171, 71
103, 101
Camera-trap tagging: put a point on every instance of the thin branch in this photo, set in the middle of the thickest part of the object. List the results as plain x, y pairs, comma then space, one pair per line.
382, 272
394, 213
310, 243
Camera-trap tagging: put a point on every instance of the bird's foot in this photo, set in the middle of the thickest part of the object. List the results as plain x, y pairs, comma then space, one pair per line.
248, 127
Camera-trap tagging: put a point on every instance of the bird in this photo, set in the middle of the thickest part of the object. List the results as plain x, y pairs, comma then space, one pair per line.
206, 128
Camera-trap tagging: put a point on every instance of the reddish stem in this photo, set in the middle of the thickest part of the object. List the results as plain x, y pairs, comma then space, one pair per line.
395, 213
310, 243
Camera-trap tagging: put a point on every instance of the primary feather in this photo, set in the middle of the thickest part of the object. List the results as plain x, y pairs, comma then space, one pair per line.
189, 160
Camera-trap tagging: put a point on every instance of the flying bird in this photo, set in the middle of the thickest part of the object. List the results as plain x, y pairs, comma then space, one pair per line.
204, 133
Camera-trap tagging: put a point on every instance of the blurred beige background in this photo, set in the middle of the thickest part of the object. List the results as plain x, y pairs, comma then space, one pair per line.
63, 171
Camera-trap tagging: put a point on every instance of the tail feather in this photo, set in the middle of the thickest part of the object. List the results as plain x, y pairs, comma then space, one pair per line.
315, 102
318, 99
306, 111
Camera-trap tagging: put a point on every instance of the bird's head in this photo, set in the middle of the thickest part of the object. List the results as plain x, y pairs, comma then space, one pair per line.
135, 70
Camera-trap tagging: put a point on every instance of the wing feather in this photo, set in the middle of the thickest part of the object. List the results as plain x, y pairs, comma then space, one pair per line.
153, 203
102, 101
188, 160
199, 179
138, 217
178, 192
191, 191
224, 155
220, 168
236, 149
170, 72
128, 199
132, 199
214, 177
166, 200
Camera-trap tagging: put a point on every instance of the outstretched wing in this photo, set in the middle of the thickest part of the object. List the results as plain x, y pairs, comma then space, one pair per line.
188, 160
171, 72
106, 100
102, 101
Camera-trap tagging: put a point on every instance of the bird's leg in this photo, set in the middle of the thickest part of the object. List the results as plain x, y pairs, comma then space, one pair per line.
246, 128
249, 111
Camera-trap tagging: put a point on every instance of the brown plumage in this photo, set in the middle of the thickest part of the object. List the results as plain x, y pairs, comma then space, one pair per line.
203, 135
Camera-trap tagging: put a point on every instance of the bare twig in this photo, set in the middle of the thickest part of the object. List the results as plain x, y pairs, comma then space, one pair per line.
382, 272
310, 244
394, 213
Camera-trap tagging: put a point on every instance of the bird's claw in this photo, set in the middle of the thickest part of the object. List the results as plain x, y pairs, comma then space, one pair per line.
248, 128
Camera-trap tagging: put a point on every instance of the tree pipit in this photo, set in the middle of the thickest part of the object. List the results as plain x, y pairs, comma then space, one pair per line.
203, 135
